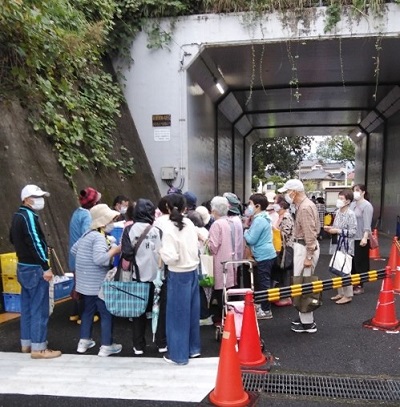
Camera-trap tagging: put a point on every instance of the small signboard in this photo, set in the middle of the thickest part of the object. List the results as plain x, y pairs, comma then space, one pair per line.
162, 127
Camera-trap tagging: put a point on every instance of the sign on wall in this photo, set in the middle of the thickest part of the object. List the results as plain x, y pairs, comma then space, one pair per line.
162, 127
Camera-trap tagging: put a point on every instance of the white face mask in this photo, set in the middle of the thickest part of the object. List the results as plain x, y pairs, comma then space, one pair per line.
357, 195
249, 210
288, 199
123, 209
340, 204
109, 228
38, 203
277, 207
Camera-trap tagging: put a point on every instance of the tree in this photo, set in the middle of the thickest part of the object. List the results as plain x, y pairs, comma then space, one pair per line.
337, 148
281, 155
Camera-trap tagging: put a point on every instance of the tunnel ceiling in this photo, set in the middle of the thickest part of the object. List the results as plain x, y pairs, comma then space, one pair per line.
337, 81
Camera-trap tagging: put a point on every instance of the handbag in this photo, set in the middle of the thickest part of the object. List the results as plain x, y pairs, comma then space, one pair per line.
206, 277
341, 262
127, 299
277, 239
306, 302
285, 258
373, 241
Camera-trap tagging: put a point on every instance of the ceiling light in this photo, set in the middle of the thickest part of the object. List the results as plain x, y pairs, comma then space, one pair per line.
359, 134
219, 87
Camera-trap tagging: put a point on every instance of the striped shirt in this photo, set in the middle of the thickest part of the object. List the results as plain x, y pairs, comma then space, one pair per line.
92, 262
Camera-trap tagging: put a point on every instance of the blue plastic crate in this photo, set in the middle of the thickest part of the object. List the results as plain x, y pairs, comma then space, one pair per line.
12, 302
63, 289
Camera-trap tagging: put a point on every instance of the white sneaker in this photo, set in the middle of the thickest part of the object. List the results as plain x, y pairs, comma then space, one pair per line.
163, 350
264, 314
85, 344
107, 350
206, 321
138, 351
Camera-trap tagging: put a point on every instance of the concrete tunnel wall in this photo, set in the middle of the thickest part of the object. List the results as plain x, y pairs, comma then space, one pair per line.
199, 144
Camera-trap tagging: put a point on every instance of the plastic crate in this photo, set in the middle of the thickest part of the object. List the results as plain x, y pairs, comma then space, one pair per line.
11, 284
8, 263
12, 302
63, 289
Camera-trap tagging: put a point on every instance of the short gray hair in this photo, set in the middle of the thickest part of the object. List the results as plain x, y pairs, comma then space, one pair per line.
220, 205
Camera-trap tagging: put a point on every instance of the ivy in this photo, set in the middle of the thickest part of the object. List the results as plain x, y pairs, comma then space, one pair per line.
51, 58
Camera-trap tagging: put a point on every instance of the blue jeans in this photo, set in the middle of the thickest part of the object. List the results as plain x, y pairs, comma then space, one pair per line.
34, 306
263, 279
183, 312
91, 304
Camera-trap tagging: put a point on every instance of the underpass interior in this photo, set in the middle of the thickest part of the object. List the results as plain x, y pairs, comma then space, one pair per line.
339, 86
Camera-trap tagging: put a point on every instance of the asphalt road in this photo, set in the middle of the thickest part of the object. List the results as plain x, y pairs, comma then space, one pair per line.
342, 347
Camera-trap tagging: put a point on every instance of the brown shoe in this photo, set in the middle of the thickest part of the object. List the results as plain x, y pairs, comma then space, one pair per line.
25, 349
344, 300
336, 297
45, 354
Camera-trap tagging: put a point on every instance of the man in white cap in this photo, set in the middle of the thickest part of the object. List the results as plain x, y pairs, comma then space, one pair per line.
33, 272
306, 247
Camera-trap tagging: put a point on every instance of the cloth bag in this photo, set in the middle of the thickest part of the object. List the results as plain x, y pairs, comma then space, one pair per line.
306, 302
341, 262
277, 239
125, 299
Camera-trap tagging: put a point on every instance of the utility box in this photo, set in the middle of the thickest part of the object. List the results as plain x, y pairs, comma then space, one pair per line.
168, 173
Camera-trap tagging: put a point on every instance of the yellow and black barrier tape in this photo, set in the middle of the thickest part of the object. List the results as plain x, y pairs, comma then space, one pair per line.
276, 294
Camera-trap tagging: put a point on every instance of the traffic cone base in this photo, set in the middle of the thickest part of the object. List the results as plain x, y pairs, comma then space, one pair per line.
250, 353
228, 389
385, 315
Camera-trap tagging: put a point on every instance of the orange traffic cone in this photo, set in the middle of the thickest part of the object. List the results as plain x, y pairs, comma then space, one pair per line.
374, 253
249, 345
228, 389
394, 258
385, 315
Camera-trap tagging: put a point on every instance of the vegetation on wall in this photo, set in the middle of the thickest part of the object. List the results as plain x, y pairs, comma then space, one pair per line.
52, 53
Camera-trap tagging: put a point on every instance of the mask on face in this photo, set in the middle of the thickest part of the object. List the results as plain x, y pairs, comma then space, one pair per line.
340, 204
288, 199
277, 207
250, 210
109, 228
357, 195
123, 209
38, 203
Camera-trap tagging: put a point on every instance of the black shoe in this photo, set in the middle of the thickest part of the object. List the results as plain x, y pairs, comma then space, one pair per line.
309, 328
296, 322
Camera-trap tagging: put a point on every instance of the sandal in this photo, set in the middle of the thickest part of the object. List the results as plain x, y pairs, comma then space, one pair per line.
344, 300
337, 297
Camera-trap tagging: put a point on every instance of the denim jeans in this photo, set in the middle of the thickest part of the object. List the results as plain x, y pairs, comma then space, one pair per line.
263, 279
34, 306
183, 311
91, 304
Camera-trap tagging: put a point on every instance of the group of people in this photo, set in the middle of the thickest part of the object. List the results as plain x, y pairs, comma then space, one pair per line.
174, 235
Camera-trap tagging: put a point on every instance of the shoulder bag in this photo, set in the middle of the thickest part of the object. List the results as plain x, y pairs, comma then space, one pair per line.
127, 299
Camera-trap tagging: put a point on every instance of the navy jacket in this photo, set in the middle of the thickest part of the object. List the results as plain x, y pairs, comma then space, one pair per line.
28, 238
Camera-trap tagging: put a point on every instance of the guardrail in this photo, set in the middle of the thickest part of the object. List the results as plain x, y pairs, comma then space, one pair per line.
295, 290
